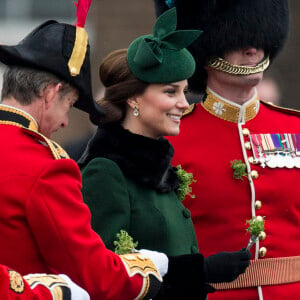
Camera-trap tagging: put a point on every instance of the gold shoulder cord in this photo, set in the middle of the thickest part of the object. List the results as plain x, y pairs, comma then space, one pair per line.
57, 151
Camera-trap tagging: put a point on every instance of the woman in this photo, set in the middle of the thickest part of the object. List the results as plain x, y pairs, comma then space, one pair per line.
128, 181
129, 177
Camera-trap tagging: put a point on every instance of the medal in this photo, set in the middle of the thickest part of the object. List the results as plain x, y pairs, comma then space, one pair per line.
280, 160
297, 162
290, 155
276, 150
258, 154
269, 149
289, 162
296, 144
271, 161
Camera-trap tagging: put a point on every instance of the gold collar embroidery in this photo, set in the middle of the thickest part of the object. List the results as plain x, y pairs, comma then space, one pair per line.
230, 111
16, 117
13, 116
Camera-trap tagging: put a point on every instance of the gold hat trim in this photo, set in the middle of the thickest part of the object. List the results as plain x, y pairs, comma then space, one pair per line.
231, 112
79, 51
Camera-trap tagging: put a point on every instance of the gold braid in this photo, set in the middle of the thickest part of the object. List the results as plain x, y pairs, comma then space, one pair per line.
224, 66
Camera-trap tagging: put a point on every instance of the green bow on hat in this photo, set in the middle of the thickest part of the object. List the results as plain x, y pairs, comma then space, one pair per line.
162, 57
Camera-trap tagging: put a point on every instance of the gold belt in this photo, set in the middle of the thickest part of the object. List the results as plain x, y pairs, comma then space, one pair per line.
267, 271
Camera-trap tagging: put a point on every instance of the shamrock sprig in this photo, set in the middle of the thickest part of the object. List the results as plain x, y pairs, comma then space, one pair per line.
124, 243
239, 169
256, 227
185, 181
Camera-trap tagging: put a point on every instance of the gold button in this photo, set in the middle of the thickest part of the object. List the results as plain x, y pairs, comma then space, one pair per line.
259, 218
245, 131
258, 204
251, 160
254, 174
262, 236
248, 146
262, 251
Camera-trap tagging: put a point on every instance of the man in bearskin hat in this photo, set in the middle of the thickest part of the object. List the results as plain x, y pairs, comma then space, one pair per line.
45, 225
244, 153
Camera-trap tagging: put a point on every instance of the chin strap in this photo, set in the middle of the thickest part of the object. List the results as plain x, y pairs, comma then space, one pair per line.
224, 66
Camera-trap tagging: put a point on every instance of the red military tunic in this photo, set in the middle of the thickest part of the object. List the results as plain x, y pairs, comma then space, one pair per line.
215, 133
37, 287
44, 224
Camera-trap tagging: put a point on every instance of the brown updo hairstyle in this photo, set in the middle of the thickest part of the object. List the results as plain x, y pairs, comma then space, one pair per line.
120, 85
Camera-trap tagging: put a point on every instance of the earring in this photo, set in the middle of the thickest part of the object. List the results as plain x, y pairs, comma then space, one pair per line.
136, 111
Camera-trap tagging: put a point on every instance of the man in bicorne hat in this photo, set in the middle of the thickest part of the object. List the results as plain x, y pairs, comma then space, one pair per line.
45, 226
243, 152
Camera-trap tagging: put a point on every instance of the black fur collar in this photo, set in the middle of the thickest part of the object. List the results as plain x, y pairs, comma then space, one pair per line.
142, 159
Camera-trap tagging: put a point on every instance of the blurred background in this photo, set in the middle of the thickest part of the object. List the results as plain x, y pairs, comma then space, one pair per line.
113, 24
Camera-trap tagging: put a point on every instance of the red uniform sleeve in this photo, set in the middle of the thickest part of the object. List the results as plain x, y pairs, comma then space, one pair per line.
14, 287
60, 223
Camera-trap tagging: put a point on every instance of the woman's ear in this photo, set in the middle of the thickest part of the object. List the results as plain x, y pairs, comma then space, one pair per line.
132, 102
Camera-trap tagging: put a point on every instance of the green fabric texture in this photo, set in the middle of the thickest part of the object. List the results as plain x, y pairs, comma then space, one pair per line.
157, 221
162, 56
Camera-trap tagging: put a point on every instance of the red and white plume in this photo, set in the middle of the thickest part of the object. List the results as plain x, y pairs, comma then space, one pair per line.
82, 11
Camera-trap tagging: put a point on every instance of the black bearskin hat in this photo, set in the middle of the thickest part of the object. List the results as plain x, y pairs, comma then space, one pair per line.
229, 25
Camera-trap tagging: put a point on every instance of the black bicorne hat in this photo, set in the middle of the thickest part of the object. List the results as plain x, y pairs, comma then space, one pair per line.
230, 25
51, 48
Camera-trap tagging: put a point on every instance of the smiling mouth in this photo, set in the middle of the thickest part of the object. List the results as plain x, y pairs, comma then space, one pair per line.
174, 117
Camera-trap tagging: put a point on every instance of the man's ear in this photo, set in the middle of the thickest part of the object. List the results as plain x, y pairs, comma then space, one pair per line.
50, 92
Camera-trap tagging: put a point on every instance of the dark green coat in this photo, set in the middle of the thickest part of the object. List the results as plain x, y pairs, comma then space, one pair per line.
146, 208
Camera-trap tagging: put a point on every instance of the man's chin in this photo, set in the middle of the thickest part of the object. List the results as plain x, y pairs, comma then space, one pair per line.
253, 79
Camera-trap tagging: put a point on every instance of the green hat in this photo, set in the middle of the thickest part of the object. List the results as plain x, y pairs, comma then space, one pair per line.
162, 57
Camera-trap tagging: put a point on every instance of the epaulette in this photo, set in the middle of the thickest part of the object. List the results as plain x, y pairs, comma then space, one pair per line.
286, 110
189, 110
57, 151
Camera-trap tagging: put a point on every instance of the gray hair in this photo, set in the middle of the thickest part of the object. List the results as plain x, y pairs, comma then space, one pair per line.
25, 84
